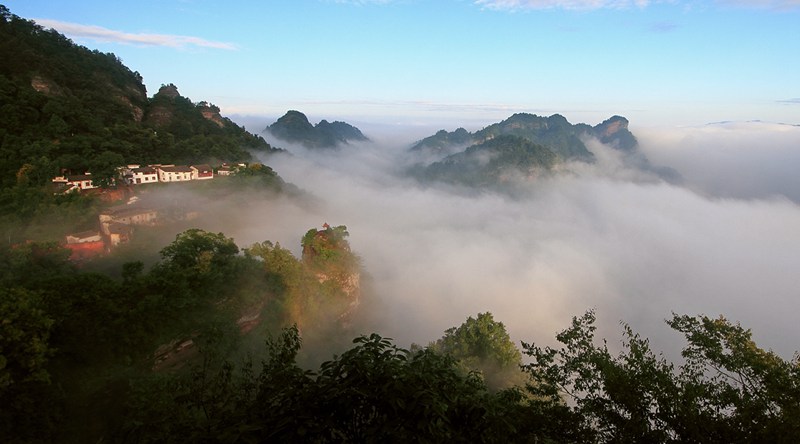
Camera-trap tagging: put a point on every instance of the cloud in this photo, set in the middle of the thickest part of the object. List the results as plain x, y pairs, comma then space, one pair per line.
600, 236
99, 33
763, 4
662, 27
363, 2
513, 5
794, 100
517, 5
741, 160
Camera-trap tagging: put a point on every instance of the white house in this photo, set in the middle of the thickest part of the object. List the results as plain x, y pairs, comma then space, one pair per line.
172, 173
140, 175
76, 183
202, 172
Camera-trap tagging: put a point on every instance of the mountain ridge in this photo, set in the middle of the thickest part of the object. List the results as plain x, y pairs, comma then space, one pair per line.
554, 132
294, 127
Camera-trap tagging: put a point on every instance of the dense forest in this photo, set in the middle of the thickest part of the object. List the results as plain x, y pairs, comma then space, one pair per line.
217, 342
67, 109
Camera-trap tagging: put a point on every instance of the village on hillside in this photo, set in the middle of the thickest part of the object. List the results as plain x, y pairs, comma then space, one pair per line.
115, 224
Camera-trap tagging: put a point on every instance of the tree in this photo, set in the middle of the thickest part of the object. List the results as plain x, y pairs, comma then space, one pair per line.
25, 382
727, 390
199, 251
373, 392
482, 344
24, 338
104, 168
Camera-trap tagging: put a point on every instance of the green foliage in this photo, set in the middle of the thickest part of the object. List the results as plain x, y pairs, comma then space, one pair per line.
318, 289
482, 344
65, 108
77, 360
321, 247
24, 334
442, 141
374, 392
199, 252
496, 161
728, 390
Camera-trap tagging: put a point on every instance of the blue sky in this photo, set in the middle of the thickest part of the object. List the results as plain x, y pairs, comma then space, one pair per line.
444, 63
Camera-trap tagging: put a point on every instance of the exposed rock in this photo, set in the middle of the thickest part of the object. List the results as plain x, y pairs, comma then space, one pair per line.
45, 86
169, 90
211, 112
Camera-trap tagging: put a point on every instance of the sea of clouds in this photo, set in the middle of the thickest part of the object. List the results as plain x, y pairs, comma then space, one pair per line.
723, 241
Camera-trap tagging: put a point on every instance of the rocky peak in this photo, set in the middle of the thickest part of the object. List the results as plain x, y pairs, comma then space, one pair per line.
169, 90
614, 131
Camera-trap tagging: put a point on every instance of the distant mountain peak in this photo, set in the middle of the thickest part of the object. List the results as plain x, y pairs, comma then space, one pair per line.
294, 127
554, 132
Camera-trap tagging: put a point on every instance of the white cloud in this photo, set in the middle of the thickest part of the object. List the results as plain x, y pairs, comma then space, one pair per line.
513, 5
602, 237
763, 4
599, 236
519, 5
99, 33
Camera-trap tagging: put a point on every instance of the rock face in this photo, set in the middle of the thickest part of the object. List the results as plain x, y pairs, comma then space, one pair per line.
211, 112
614, 132
327, 254
294, 127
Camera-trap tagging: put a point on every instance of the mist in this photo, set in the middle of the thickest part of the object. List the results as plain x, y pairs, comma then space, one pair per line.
604, 236
747, 160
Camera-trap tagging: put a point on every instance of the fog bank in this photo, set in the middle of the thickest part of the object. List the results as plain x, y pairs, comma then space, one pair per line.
605, 237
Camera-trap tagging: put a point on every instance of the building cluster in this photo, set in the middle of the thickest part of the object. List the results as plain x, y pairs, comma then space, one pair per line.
117, 225
138, 174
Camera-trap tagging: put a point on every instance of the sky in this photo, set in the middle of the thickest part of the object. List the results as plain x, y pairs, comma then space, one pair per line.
450, 63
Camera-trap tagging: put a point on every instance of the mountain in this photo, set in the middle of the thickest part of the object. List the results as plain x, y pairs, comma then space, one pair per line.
294, 127
554, 132
498, 160
524, 146
65, 106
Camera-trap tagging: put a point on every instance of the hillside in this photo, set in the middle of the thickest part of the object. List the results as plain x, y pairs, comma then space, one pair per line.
66, 109
554, 132
294, 127
498, 160
66, 106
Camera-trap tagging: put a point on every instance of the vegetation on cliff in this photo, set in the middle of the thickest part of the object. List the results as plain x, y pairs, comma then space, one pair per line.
554, 132
500, 160
72, 341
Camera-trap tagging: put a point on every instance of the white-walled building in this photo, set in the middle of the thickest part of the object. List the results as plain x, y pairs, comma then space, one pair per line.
173, 173
202, 172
